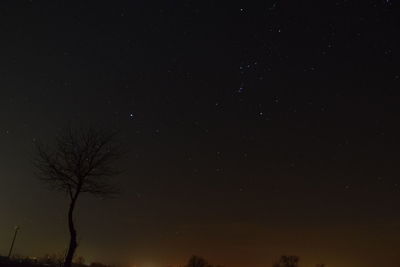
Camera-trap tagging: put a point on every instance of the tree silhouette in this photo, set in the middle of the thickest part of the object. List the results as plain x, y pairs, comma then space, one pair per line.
81, 161
288, 261
196, 261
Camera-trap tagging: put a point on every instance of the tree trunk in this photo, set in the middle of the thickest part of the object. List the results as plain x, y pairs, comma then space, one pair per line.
73, 244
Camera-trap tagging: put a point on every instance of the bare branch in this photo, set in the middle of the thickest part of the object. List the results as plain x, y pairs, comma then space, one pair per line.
80, 162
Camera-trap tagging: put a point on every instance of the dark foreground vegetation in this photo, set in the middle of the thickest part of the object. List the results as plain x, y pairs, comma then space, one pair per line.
46, 261
56, 261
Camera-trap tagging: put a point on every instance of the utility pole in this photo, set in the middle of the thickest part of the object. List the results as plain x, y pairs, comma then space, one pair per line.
13, 241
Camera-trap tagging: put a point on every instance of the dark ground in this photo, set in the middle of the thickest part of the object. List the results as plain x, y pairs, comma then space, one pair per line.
26, 262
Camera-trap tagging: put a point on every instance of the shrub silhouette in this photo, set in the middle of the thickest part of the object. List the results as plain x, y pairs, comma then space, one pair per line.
287, 261
196, 261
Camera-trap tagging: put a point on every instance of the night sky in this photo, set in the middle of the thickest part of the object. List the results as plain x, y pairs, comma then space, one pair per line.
254, 128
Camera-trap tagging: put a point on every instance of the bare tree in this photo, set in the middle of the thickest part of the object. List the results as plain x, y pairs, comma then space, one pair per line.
81, 161
196, 261
288, 261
